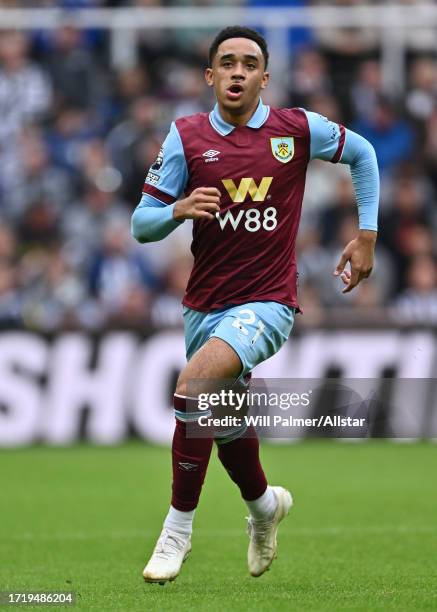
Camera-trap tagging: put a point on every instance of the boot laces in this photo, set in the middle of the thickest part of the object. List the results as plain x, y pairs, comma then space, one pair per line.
258, 531
168, 545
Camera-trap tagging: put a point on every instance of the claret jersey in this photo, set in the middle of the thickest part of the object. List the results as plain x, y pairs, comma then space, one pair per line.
247, 253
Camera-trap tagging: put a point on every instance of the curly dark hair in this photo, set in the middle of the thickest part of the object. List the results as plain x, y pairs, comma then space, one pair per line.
238, 32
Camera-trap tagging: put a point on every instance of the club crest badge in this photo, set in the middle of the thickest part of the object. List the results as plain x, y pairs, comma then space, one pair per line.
283, 148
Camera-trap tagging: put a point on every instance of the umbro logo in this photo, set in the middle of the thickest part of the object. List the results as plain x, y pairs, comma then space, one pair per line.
188, 467
211, 155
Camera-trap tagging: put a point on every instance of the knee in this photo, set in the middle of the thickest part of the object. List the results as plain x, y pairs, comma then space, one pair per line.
181, 385
190, 383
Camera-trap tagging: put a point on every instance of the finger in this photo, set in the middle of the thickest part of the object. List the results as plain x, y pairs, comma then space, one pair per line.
202, 214
210, 191
353, 282
207, 198
210, 207
345, 278
341, 264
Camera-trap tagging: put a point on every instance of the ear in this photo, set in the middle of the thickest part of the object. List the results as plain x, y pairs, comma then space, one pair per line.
209, 78
265, 81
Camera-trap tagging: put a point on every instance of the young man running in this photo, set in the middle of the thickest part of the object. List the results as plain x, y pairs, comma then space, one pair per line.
242, 169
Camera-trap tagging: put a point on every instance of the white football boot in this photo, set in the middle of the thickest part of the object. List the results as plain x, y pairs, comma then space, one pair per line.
171, 550
262, 533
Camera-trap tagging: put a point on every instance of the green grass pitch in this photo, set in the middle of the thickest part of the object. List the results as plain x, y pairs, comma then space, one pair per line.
361, 536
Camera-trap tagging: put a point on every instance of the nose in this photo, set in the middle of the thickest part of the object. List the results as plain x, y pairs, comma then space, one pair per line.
238, 73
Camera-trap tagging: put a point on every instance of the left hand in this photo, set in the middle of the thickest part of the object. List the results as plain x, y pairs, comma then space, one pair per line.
359, 252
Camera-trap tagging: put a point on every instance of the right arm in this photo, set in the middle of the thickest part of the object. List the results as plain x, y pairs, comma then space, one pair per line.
159, 211
334, 143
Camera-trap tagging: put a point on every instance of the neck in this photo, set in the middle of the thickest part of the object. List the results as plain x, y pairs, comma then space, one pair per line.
237, 118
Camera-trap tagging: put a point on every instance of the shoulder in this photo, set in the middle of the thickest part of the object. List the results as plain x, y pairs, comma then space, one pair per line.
196, 121
294, 118
323, 128
192, 131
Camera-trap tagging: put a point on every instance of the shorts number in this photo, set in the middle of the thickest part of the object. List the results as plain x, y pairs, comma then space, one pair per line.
248, 319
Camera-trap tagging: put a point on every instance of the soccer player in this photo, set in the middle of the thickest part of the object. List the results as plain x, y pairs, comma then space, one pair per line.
239, 173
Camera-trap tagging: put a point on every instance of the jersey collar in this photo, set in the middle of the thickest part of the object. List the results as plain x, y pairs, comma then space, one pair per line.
258, 118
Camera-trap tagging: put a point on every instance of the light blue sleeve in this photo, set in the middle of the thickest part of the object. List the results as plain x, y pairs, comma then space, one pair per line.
169, 172
332, 142
361, 157
165, 182
152, 220
324, 136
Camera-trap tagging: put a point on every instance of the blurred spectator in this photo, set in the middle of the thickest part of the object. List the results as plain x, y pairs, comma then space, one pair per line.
134, 308
134, 143
308, 77
323, 187
391, 136
155, 45
347, 41
430, 148
367, 90
128, 85
344, 48
325, 105
78, 80
417, 304
70, 130
25, 91
314, 262
96, 167
297, 37
85, 220
40, 224
8, 244
53, 293
9, 297
38, 178
166, 310
422, 98
340, 206
407, 225
187, 88
25, 97
117, 269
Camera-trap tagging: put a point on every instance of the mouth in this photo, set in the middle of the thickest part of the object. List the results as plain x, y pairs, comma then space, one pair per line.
234, 92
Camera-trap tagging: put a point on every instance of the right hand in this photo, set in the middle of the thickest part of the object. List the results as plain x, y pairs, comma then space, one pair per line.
202, 203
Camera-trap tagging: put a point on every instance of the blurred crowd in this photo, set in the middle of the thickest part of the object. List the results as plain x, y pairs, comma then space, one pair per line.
77, 137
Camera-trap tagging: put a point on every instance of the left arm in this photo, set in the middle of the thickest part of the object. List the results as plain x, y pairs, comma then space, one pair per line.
334, 143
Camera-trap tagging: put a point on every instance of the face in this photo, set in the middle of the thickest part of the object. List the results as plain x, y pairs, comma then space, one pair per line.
237, 74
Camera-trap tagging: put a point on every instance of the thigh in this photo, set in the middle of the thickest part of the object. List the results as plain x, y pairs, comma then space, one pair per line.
213, 360
255, 331
229, 343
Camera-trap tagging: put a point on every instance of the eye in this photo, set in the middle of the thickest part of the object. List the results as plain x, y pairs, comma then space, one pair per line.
251, 66
227, 64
